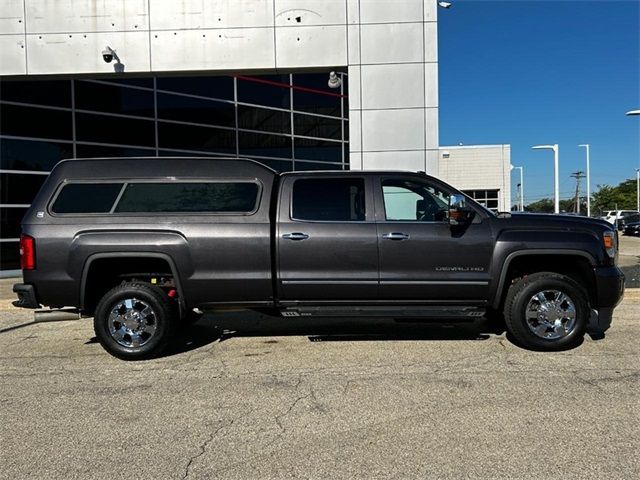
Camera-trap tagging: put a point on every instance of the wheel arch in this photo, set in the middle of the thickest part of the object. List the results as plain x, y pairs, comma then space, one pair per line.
541, 258
90, 261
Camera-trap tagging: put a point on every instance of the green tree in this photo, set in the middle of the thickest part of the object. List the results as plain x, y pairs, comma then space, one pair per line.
541, 206
622, 195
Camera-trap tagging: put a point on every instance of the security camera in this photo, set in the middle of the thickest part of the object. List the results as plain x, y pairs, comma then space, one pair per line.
445, 4
108, 54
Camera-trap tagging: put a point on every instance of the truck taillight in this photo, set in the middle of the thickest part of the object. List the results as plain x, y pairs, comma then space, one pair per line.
27, 252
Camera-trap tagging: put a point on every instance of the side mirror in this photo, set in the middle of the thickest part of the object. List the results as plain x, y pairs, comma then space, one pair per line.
459, 212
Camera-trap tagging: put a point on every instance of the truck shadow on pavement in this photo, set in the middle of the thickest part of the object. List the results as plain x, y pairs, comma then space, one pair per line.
222, 327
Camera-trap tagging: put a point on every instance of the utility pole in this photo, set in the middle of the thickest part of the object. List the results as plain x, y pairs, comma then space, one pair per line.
577, 175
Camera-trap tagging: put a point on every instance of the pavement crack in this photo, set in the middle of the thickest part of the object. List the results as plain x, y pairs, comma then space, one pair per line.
202, 450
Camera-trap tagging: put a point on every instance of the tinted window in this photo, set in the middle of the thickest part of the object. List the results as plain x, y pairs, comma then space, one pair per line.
35, 122
417, 201
104, 129
87, 198
329, 199
196, 110
254, 118
32, 154
188, 137
189, 197
271, 90
47, 92
114, 99
18, 188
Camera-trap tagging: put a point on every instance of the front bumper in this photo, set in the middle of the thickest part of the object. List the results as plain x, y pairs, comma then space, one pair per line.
26, 296
609, 293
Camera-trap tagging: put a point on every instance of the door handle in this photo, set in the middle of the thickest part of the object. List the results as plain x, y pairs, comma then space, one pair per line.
295, 236
396, 236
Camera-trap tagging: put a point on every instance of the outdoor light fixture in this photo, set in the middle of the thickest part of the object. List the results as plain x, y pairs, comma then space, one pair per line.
445, 4
334, 80
586, 145
555, 171
633, 112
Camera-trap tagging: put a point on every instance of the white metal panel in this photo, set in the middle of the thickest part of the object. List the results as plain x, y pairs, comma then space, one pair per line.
354, 88
431, 128
353, 12
391, 11
430, 42
12, 55
355, 132
393, 86
353, 44
431, 162
311, 46
12, 16
430, 84
391, 43
431, 10
82, 53
310, 12
68, 16
193, 14
393, 130
394, 160
216, 49
355, 160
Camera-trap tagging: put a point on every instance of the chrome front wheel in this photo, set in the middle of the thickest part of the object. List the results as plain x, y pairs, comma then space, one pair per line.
546, 311
551, 314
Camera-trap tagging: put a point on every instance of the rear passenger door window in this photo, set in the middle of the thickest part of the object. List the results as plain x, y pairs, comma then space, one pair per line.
329, 200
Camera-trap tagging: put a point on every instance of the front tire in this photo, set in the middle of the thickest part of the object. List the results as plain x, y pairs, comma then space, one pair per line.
135, 321
547, 311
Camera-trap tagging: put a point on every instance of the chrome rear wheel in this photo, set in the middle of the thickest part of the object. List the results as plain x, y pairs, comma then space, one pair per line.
132, 322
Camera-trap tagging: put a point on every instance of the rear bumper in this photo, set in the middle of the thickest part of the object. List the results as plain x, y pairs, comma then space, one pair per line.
26, 296
609, 293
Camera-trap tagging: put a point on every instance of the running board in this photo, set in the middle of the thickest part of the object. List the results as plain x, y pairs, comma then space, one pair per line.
418, 311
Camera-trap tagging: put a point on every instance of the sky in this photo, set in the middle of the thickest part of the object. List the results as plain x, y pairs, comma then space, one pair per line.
542, 72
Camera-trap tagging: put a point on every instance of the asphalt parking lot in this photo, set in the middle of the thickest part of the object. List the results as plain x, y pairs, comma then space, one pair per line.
244, 396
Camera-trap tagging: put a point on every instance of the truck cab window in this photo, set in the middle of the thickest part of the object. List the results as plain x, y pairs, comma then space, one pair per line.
329, 199
414, 201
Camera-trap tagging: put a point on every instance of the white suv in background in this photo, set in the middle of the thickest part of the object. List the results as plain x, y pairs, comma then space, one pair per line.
612, 216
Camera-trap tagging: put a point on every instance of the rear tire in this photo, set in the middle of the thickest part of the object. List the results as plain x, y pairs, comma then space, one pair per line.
135, 321
546, 311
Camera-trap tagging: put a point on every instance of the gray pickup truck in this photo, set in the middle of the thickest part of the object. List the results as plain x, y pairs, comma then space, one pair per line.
143, 244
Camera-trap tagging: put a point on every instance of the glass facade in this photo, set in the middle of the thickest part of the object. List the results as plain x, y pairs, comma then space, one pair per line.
288, 122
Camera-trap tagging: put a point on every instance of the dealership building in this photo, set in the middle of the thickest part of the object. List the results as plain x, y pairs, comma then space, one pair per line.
242, 78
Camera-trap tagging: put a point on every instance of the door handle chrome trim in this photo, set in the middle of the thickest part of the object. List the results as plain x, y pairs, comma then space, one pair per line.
396, 236
295, 236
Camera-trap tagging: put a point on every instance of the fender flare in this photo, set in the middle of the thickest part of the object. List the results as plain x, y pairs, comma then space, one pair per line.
523, 253
162, 256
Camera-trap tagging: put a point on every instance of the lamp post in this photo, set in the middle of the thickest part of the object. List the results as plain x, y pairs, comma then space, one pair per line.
521, 206
553, 147
586, 146
638, 189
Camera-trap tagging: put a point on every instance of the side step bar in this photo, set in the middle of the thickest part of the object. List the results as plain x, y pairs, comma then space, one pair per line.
418, 311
